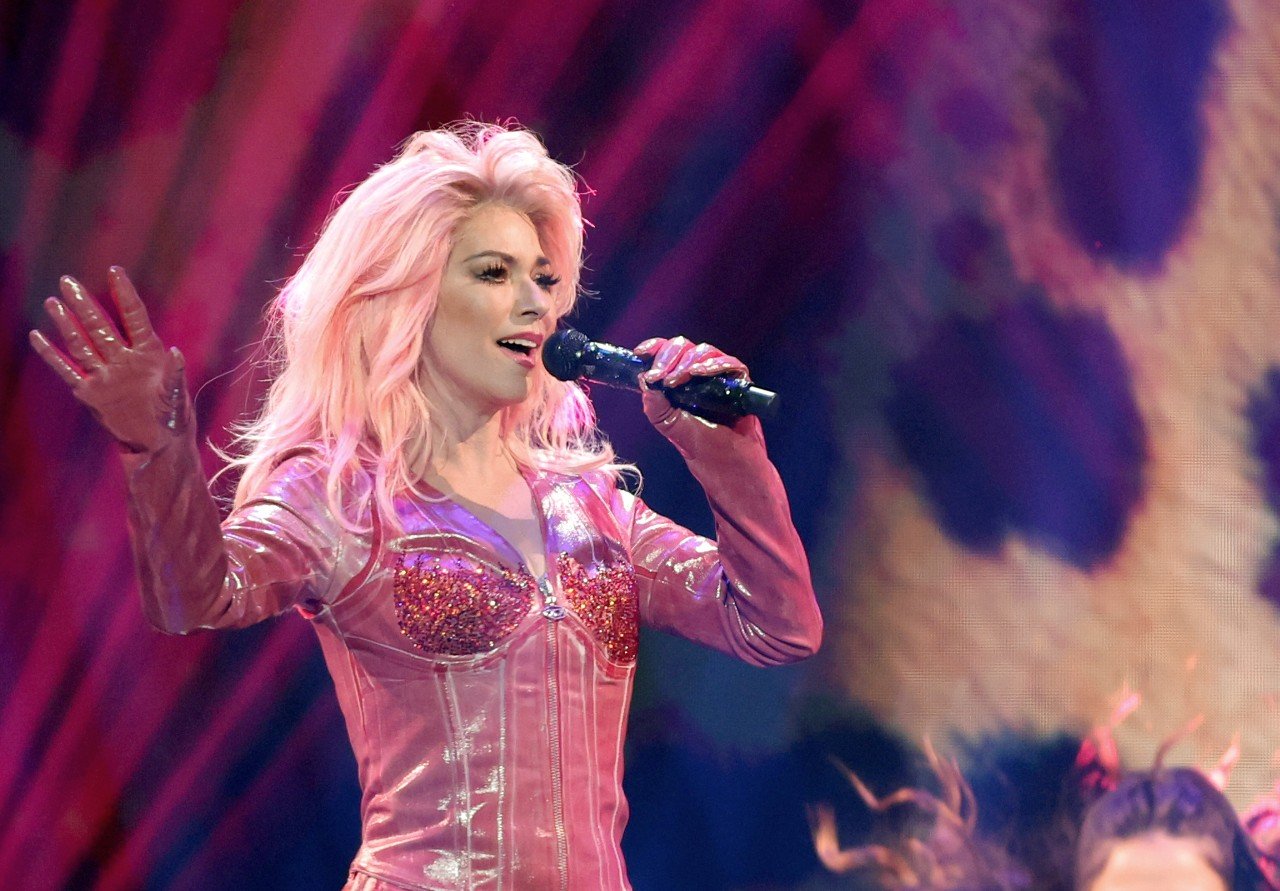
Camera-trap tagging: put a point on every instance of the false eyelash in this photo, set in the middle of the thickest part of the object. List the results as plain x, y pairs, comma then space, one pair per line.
492, 271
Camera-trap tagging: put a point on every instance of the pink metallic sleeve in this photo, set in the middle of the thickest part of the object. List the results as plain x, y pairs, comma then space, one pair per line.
748, 593
274, 552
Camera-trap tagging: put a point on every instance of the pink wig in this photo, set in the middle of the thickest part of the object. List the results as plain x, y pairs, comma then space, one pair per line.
346, 332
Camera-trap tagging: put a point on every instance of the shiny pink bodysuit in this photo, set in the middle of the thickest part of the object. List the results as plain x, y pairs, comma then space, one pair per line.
486, 708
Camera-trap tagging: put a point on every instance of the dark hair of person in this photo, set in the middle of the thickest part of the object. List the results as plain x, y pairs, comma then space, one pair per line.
1180, 802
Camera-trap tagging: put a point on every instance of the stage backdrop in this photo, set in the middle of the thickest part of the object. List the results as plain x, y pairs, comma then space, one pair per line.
1013, 266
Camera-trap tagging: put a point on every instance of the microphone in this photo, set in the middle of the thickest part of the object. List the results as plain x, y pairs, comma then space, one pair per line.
570, 355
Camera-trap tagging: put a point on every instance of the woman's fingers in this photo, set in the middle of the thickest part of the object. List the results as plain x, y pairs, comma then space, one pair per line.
54, 359
90, 339
677, 361
133, 313
678, 371
667, 355
98, 328
76, 341
703, 360
133, 387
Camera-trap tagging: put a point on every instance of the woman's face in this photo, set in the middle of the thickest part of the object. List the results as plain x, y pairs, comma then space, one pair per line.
484, 342
1159, 862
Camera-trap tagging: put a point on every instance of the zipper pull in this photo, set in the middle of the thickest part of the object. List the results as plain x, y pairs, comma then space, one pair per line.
551, 610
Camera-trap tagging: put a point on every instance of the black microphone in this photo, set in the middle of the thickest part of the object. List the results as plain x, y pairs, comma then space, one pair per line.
570, 354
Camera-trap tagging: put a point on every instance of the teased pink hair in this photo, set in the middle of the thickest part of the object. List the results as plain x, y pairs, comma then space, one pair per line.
346, 331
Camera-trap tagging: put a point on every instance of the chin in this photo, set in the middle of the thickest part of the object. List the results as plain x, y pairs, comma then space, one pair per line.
512, 398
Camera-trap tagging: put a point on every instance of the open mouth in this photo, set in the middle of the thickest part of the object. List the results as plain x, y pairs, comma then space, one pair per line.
518, 345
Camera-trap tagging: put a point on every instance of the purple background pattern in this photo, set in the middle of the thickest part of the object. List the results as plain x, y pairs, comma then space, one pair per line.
960, 238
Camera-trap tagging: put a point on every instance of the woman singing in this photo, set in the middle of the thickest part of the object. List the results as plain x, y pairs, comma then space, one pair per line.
445, 515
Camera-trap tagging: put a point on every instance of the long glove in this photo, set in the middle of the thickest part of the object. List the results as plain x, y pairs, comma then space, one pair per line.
749, 592
192, 576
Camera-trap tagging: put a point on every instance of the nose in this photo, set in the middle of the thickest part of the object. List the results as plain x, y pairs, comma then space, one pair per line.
534, 302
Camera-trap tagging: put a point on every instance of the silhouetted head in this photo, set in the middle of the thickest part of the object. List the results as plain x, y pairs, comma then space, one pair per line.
1170, 828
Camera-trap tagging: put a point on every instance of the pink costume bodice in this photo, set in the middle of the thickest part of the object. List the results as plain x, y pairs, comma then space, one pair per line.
486, 709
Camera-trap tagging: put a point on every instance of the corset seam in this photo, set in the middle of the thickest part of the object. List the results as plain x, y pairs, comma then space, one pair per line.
375, 553
593, 758
461, 762
500, 834
619, 802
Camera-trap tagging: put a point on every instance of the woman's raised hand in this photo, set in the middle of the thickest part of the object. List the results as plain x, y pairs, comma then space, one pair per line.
132, 384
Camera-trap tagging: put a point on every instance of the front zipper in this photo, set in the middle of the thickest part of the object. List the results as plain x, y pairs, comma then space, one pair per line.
554, 612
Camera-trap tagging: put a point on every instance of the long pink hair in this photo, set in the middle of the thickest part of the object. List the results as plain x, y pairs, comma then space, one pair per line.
346, 332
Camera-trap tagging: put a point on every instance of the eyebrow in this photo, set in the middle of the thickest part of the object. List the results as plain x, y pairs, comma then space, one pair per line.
506, 258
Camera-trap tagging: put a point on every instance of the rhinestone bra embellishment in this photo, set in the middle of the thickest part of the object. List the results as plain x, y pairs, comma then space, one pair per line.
468, 610
607, 603
458, 612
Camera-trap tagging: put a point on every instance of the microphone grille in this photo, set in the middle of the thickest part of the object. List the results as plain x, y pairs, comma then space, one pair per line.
562, 353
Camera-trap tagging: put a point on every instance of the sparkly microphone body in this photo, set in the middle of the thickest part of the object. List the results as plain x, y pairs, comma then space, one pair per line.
570, 355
